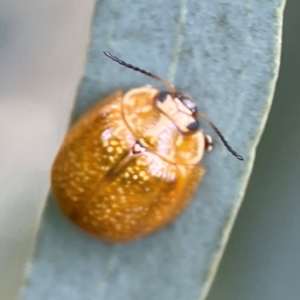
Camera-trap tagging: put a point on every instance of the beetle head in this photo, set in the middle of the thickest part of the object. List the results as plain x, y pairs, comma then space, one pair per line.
180, 108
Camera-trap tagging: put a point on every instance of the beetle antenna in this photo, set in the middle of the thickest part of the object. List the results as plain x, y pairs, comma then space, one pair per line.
123, 63
203, 116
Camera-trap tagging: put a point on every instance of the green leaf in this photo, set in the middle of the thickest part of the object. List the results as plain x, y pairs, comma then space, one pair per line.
225, 54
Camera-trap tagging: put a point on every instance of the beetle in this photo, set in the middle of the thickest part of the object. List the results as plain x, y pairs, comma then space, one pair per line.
130, 165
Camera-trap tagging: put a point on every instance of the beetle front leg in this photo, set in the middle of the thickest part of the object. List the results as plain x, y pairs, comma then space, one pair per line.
208, 143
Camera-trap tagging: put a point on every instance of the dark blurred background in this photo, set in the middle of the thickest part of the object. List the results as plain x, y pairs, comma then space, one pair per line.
262, 259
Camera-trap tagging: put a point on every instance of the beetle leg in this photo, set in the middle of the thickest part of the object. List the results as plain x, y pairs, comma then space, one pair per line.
208, 143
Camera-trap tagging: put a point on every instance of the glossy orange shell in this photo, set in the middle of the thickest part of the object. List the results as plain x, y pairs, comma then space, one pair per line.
117, 195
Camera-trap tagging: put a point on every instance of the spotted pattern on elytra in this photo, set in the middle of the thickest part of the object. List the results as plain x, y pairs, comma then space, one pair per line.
96, 142
138, 199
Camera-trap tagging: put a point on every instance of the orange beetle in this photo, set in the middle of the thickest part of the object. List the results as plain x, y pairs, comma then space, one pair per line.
129, 166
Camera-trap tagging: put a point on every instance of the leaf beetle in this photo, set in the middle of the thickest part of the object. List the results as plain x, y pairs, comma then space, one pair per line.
130, 165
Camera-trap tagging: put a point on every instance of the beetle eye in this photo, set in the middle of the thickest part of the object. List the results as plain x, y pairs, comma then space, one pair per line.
188, 103
194, 126
162, 96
